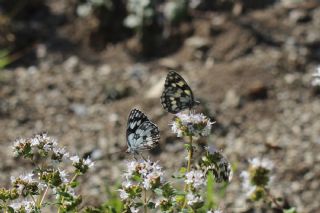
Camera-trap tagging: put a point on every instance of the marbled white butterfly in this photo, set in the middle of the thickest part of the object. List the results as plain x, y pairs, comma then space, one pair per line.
177, 94
142, 134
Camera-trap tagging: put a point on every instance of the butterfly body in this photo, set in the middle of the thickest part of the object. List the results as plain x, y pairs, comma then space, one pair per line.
177, 94
142, 134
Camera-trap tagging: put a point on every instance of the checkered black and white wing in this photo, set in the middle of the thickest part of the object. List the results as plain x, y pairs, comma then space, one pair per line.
142, 134
177, 94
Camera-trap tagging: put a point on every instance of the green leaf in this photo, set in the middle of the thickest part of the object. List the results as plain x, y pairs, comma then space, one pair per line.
158, 191
183, 170
168, 190
74, 184
210, 201
291, 210
180, 198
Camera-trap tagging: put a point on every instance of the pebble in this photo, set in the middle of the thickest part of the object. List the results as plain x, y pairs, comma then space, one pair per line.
79, 109
156, 89
231, 99
198, 43
257, 90
71, 63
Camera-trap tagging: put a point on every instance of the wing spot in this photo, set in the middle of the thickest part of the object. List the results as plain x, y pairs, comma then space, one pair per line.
180, 83
187, 92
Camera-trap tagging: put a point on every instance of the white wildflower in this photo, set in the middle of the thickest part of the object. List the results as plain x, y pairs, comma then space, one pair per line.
23, 206
175, 129
264, 163
60, 152
193, 199
88, 162
131, 168
246, 184
20, 145
196, 178
35, 142
63, 175
27, 178
75, 159
134, 210
123, 194
191, 125
126, 184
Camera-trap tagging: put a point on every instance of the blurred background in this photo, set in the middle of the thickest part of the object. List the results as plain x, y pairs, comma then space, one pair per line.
75, 68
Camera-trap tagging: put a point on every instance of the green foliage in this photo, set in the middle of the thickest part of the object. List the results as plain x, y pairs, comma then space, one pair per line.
291, 210
210, 199
5, 59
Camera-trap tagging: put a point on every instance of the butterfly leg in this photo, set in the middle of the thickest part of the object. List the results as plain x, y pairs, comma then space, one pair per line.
135, 157
143, 157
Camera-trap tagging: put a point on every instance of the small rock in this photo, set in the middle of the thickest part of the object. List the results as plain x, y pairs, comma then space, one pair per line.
156, 90
113, 117
118, 91
79, 109
198, 43
137, 71
170, 63
71, 63
231, 99
41, 50
290, 78
257, 90
299, 16
105, 69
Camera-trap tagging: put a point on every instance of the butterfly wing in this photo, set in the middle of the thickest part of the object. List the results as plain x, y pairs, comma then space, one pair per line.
142, 134
146, 137
177, 95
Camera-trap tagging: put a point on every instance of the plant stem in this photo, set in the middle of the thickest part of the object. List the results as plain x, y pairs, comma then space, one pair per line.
145, 201
273, 199
34, 200
41, 199
5, 207
72, 179
190, 154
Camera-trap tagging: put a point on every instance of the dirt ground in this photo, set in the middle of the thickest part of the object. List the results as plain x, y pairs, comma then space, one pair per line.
251, 72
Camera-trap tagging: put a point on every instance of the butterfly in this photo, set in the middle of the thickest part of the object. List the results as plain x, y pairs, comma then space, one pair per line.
142, 134
177, 94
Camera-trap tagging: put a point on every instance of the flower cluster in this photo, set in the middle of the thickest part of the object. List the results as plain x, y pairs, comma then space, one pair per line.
23, 206
141, 176
8, 194
143, 183
257, 178
194, 200
29, 190
82, 165
195, 179
26, 185
195, 125
149, 172
39, 145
